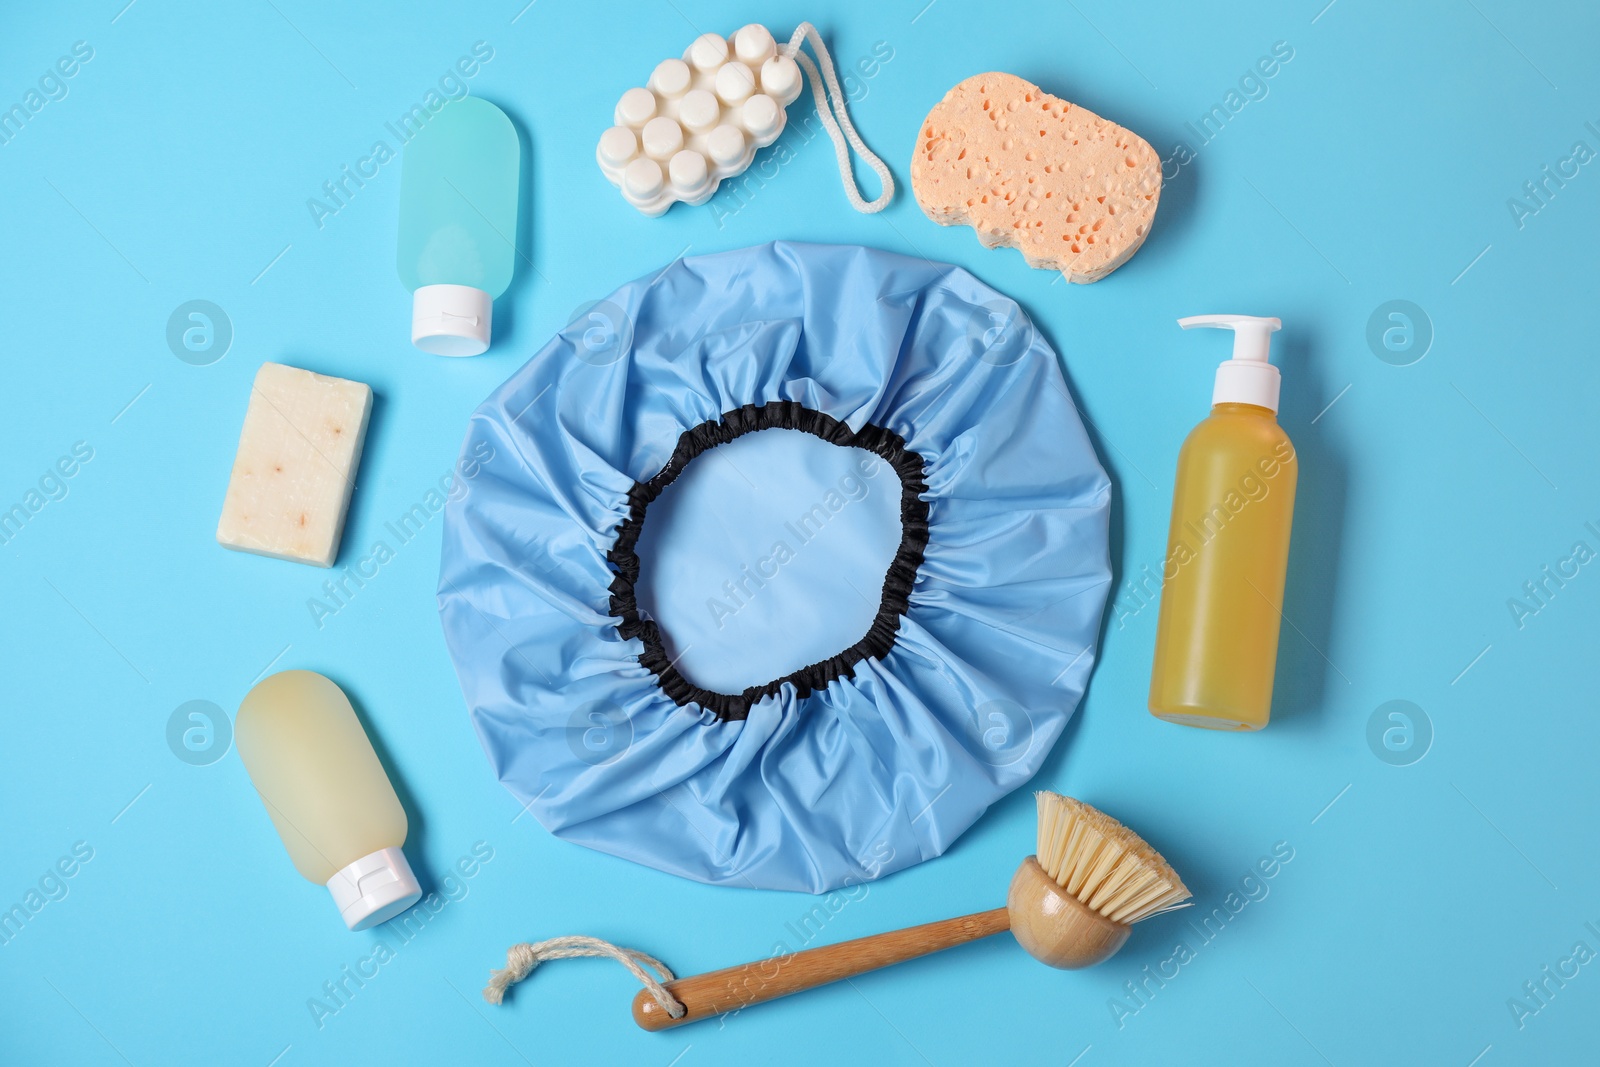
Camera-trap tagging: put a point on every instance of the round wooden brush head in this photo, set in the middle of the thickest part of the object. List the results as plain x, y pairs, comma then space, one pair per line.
1073, 904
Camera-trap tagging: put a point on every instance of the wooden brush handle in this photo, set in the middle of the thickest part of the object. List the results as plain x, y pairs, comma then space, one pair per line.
733, 988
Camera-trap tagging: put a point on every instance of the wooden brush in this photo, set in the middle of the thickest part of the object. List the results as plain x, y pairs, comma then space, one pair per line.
1072, 905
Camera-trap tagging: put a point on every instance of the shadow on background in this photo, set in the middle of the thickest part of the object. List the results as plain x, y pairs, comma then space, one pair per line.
1115, 536
1175, 209
522, 275
1304, 672
416, 825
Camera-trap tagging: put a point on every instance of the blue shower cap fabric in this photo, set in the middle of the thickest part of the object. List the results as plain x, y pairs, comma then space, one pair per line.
847, 767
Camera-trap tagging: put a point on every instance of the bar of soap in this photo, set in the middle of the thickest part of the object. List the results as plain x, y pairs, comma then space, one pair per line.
296, 465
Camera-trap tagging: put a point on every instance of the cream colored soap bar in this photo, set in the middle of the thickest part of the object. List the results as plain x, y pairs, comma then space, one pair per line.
296, 465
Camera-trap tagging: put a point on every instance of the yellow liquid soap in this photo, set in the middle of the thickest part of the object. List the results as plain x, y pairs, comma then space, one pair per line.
1227, 549
327, 794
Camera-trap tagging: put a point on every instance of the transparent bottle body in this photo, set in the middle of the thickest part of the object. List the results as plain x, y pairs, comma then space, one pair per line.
316, 772
1222, 582
458, 199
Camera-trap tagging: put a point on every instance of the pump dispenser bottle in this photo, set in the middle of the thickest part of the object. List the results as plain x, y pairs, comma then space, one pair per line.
1228, 546
327, 794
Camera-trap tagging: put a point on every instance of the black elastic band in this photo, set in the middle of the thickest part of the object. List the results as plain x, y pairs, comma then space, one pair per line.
897, 581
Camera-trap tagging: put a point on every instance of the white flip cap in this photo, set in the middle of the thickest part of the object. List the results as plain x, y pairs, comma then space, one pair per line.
1247, 378
451, 320
375, 888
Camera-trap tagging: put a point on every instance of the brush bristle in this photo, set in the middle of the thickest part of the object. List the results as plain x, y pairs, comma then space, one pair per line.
1107, 866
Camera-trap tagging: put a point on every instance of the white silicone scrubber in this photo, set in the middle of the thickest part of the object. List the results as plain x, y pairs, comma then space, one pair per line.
700, 120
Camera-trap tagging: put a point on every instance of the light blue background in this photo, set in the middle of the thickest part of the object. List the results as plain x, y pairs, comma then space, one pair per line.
1378, 167
720, 521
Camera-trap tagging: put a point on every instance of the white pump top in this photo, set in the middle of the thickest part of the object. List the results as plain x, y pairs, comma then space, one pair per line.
1247, 378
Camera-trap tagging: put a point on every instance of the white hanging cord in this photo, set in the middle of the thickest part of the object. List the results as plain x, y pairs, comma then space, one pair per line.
835, 97
522, 959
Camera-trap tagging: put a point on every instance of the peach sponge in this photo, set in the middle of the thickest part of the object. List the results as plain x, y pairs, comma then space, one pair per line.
1069, 190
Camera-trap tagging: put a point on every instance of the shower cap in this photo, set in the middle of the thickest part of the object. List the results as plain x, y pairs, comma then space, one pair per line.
778, 566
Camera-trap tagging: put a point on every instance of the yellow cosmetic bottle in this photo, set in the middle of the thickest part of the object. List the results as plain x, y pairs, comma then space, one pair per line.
328, 795
1228, 546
